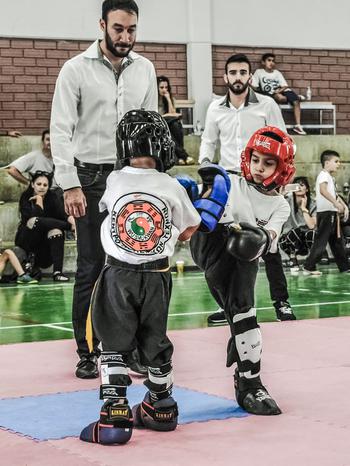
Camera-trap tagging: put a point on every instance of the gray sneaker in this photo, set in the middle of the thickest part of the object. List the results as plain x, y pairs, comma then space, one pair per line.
25, 279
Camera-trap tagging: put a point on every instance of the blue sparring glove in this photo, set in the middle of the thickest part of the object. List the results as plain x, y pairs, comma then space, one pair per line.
212, 207
190, 185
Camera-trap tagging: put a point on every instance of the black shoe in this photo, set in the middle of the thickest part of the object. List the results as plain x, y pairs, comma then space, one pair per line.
218, 318
60, 277
87, 367
252, 396
284, 311
135, 365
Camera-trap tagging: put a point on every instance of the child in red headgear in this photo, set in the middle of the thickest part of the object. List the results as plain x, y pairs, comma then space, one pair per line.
249, 227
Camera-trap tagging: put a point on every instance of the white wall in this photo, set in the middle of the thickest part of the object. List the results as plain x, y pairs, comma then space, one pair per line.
301, 23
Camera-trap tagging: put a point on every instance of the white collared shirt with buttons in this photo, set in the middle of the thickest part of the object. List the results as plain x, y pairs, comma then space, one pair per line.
233, 127
89, 101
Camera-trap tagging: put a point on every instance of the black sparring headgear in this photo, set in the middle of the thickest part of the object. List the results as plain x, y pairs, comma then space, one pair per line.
145, 133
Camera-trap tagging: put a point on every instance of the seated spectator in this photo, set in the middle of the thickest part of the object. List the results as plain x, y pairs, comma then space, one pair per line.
43, 221
11, 264
167, 108
37, 160
11, 134
299, 230
270, 81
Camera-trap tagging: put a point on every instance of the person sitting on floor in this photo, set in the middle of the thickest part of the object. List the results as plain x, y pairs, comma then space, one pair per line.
167, 108
43, 221
299, 230
11, 262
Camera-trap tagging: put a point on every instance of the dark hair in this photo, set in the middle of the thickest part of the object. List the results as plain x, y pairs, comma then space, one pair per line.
304, 181
328, 155
238, 58
165, 102
126, 5
39, 173
268, 55
43, 134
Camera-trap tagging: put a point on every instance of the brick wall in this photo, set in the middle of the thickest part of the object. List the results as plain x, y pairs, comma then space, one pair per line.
29, 68
327, 71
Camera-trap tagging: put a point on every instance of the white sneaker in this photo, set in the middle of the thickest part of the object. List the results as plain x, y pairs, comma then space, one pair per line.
315, 273
299, 130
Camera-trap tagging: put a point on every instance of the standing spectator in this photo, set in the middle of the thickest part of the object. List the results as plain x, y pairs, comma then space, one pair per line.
37, 160
299, 230
43, 221
270, 81
232, 121
167, 108
93, 92
330, 207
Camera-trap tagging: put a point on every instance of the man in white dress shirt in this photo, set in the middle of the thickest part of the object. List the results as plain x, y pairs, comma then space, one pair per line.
93, 92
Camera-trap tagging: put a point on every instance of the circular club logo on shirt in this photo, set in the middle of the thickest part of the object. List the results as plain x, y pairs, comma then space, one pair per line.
140, 224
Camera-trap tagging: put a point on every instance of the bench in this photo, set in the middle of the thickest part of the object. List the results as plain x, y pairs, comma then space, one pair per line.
320, 108
185, 107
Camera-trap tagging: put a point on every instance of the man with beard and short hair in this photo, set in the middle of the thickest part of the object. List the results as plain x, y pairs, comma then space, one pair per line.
232, 120
93, 92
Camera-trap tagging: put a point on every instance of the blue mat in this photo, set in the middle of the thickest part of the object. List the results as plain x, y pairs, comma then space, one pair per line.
60, 415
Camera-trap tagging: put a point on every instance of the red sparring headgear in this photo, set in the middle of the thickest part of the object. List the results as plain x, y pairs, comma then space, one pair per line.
283, 151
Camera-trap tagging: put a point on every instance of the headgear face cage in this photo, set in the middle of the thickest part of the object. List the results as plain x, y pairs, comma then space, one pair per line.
145, 133
283, 152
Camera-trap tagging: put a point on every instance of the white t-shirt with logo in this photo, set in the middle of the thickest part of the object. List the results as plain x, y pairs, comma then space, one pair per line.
323, 204
147, 211
268, 82
247, 204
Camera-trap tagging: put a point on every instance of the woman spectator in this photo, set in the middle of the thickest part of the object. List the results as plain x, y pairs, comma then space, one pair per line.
167, 108
299, 230
43, 221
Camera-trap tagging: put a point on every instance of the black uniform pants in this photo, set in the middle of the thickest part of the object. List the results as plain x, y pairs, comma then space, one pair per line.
130, 310
327, 232
276, 277
91, 257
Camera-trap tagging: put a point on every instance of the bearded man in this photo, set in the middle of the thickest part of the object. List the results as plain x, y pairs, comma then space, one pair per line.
93, 92
235, 118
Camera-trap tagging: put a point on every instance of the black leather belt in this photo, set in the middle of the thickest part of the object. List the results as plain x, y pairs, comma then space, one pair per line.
154, 266
102, 167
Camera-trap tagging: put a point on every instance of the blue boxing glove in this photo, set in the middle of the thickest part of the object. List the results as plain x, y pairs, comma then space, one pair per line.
190, 185
216, 188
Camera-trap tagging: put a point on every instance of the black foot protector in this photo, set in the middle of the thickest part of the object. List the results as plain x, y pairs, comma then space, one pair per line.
160, 415
113, 428
252, 396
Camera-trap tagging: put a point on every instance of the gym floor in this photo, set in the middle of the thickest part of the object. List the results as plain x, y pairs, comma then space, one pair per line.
305, 365
43, 312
